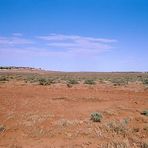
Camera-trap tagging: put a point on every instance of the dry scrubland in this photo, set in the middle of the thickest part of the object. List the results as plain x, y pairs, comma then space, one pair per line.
40, 109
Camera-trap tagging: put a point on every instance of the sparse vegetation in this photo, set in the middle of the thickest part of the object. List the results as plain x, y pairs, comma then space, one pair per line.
2, 128
144, 145
123, 144
116, 122
145, 81
69, 85
72, 81
31, 79
136, 130
117, 127
118, 82
145, 112
44, 81
90, 82
96, 117
3, 78
146, 128
74, 78
125, 121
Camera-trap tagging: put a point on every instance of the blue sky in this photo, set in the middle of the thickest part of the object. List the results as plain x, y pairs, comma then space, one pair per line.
75, 35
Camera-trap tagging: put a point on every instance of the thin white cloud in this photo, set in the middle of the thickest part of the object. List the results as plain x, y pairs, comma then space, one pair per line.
61, 37
57, 52
55, 44
14, 41
17, 34
77, 44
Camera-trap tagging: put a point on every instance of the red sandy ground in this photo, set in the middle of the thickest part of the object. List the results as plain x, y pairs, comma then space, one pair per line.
56, 116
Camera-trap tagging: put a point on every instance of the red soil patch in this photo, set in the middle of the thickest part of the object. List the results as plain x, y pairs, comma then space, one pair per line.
58, 116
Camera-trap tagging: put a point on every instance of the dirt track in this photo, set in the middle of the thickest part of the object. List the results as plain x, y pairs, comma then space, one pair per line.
58, 116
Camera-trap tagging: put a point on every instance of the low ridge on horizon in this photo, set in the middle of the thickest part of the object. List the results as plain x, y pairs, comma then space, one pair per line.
48, 70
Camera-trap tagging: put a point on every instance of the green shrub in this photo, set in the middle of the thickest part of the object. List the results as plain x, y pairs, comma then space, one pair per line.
31, 79
73, 81
46, 81
90, 82
3, 78
43, 81
117, 127
96, 117
145, 81
118, 82
145, 112
51, 80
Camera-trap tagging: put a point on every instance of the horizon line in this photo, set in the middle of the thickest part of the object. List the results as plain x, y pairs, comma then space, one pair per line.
42, 69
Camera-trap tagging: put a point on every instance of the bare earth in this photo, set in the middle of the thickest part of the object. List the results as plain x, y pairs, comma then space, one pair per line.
56, 116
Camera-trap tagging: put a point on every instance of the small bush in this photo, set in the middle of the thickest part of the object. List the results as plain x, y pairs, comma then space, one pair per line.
73, 81
145, 81
115, 144
3, 78
118, 82
135, 130
125, 121
69, 85
144, 145
90, 82
145, 112
2, 128
31, 79
117, 127
44, 81
96, 117
146, 128
51, 80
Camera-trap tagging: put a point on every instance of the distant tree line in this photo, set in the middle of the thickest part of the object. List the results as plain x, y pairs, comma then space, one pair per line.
14, 67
